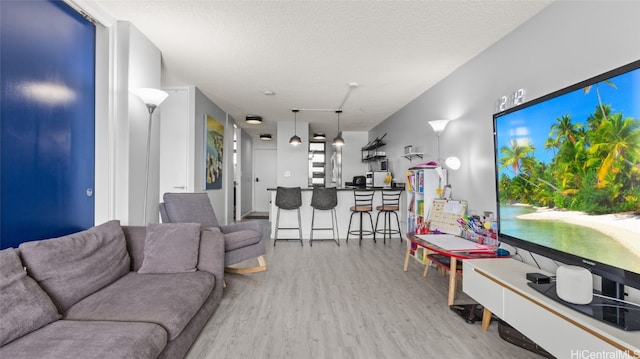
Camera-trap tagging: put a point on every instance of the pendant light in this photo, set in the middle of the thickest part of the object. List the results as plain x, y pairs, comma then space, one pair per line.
295, 140
338, 140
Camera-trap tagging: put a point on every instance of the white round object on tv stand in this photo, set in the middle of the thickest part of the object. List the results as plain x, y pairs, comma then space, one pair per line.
574, 284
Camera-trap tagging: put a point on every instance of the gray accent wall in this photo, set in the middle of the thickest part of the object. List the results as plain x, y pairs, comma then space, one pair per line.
567, 42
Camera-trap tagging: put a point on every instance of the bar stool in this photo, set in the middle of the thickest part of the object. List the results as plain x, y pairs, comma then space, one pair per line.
390, 205
363, 203
325, 199
288, 198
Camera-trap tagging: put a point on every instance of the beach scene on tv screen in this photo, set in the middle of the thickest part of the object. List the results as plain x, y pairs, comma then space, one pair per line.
569, 172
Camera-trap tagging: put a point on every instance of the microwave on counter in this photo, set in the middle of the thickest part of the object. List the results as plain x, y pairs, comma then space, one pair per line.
375, 179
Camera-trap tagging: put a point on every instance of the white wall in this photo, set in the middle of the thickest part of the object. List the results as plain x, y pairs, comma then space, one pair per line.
352, 164
128, 61
132, 61
293, 161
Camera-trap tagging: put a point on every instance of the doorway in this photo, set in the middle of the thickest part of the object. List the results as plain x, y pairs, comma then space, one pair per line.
264, 170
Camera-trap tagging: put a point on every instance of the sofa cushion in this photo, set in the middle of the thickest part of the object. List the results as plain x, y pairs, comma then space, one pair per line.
171, 248
170, 300
72, 267
240, 239
79, 339
24, 306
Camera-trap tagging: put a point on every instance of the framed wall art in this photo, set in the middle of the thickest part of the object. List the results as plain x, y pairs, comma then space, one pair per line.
214, 145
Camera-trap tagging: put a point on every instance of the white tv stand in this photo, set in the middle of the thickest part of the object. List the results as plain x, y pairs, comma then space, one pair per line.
500, 285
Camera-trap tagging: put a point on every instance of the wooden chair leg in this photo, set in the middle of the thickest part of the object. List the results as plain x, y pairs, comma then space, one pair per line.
262, 266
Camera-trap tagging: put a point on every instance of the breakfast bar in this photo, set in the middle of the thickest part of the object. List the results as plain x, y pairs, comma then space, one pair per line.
288, 218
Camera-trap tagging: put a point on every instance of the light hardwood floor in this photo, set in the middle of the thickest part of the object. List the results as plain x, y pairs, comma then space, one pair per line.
350, 301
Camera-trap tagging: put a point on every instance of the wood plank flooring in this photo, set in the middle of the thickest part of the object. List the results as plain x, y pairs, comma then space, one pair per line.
350, 301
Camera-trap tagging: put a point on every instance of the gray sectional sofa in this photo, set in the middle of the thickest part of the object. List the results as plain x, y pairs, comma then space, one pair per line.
110, 292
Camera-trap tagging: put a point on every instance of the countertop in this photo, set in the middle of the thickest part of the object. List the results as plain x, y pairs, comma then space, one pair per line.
346, 188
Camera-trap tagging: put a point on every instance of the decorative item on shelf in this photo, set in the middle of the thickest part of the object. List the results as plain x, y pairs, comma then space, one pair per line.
295, 139
387, 180
152, 98
265, 136
447, 192
409, 154
253, 120
338, 140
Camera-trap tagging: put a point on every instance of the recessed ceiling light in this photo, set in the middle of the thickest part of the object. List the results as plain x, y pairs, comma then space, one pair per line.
269, 92
253, 119
265, 136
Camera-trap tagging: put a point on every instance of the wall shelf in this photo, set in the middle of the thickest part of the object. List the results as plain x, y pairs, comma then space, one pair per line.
411, 156
370, 151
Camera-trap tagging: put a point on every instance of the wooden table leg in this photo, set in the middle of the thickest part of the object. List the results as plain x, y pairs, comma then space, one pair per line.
427, 263
486, 319
406, 256
452, 281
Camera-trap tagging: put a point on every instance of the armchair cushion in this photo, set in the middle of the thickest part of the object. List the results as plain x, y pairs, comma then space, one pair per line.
171, 248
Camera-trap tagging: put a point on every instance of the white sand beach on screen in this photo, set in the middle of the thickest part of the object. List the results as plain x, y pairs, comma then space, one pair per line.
624, 227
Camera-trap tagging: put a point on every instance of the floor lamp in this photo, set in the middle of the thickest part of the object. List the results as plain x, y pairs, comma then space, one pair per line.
152, 98
438, 127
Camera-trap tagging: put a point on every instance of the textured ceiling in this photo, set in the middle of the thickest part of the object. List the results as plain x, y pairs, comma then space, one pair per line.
308, 52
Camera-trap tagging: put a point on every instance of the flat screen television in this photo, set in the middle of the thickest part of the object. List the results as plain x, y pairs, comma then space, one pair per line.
568, 176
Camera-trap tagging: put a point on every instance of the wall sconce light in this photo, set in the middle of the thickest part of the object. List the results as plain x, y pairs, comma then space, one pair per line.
265, 136
253, 120
338, 140
453, 162
152, 98
295, 140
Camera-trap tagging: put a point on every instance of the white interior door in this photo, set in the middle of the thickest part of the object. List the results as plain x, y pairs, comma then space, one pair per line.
264, 171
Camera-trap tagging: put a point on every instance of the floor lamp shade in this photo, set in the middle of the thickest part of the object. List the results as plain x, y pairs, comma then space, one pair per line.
150, 96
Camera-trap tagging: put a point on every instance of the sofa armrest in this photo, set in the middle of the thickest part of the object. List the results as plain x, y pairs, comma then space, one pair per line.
239, 226
261, 227
211, 254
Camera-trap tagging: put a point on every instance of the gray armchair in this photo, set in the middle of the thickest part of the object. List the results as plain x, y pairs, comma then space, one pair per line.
243, 240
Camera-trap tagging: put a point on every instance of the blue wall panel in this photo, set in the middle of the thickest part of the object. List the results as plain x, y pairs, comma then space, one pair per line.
47, 121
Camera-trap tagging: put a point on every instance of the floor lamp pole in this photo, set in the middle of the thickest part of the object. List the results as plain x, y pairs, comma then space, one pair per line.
152, 98
146, 174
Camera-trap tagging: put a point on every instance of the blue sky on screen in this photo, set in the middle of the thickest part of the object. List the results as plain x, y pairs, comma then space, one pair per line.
533, 123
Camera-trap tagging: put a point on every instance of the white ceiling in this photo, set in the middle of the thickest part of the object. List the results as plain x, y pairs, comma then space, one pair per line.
308, 52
